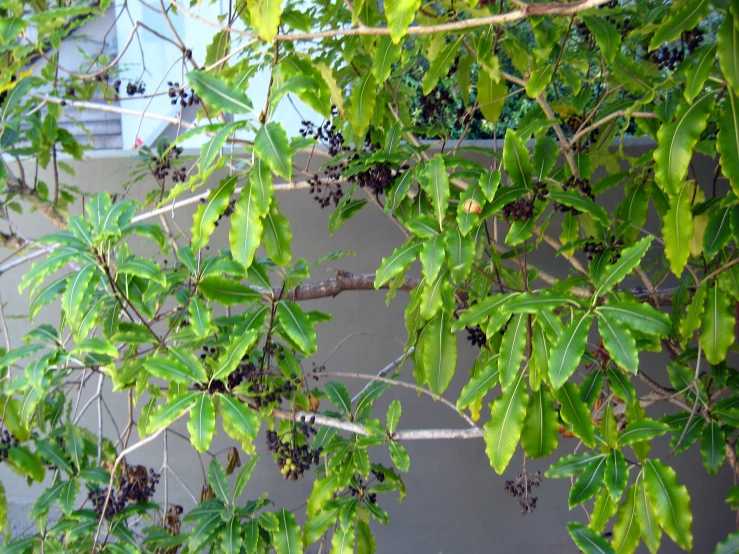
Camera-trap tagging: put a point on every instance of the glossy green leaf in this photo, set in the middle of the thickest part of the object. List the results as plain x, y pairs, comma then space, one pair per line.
400, 457
572, 464
169, 370
363, 99
393, 416
339, 396
386, 55
713, 447
642, 430
683, 16
239, 421
436, 184
588, 541
512, 347
218, 480
540, 428
478, 386
626, 532
400, 259
568, 349
539, 80
696, 75
432, 256
718, 233
649, 528
234, 354
717, 325
503, 431
227, 291
604, 509
271, 146
219, 93
637, 316
265, 17
400, 14
170, 411
286, 538
439, 352
615, 273
727, 140
516, 159
619, 342
589, 483
202, 422
606, 36
246, 226
617, 474
276, 236
728, 51
575, 412
73, 298
297, 325
670, 501
440, 65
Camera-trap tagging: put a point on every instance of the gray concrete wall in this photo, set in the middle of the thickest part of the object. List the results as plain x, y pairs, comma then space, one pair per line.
456, 503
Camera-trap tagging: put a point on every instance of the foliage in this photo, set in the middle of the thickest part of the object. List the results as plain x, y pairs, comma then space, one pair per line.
220, 339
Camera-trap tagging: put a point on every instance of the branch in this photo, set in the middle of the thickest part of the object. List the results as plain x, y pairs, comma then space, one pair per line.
343, 281
47, 209
582, 132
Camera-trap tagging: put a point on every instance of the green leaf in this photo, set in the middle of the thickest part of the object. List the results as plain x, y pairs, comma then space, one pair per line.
575, 412
539, 80
397, 262
615, 273
363, 99
227, 291
237, 349
545, 156
26, 463
400, 457
343, 540
399, 191
588, 540
265, 17
670, 501
603, 509
439, 352
491, 95
239, 421
718, 233
286, 538
617, 474
432, 257
170, 370
649, 529
503, 431
642, 430
727, 141
676, 142
516, 159
730, 545
73, 299
581, 204
146, 269
200, 317
717, 325
231, 536
246, 226
568, 350
588, 484
170, 411
208, 214
478, 386
683, 16
539, 435
637, 316
68, 495
440, 66
626, 531
728, 51
571, 465
323, 491
400, 14
619, 342
713, 447
386, 55
242, 479
218, 480
297, 326
677, 228
277, 235
272, 147
202, 423
393, 416
692, 321
219, 93
696, 75
460, 254
339, 396
512, 347
436, 184
97, 346
606, 36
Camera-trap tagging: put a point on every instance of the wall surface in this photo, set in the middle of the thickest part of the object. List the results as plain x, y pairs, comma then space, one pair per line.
456, 503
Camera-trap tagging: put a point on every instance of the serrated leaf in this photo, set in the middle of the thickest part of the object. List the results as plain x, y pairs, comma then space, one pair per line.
400, 457
439, 352
227, 291
670, 501
727, 140
239, 421
575, 412
323, 491
219, 93
231, 536
478, 386
170, 411
287, 538
440, 66
603, 509
234, 354
696, 75
516, 159
503, 431
436, 184
617, 474
491, 95
626, 532
676, 141
399, 191
202, 423
393, 416
588, 484
642, 430
569, 349
619, 343
400, 14
713, 447
73, 298
606, 36
717, 325
638, 316
170, 370
539, 435
339, 396
615, 273
683, 16
460, 254
297, 326
246, 226
265, 17
200, 317
648, 526
571, 465
277, 236
363, 99
545, 156
718, 233
272, 147
218, 480
539, 80
728, 48
512, 347
588, 540
386, 55
432, 256
398, 261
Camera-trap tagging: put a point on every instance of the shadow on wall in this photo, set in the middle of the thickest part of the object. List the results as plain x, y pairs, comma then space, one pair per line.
456, 503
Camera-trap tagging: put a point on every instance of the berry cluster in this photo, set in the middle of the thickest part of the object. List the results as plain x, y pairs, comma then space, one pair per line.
177, 94
162, 166
116, 504
671, 56
592, 249
581, 185
521, 209
361, 490
293, 458
135, 87
7, 441
434, 104
135, 484
521, 489
324, 189
476, 336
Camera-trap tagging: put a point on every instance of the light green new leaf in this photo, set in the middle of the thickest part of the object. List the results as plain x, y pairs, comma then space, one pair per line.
626, 533
696, 75
568, 350
246, 227
728, 50
575, 412
399, 191
615, 273
692, 321
323, 491
146, 269
227, 291
218, 480
231, 536
670, 501
169, 370
677, 140
271, 146
436, 184
503, 431
606, 36
363, 104
717, 325
650, 530
200, 317
400, 14
511, 348
539, 435
713, 447
277, 236
239, 346
343, 540
386, 55
170, 411
589, 483
637, 316
617, 474
297, 325
440, 66
400, 457
73, 298
539, 80
460, 254
397, 262
491, 95
339, 396
211, 150
432, 256
603, 509
439, 352
202, 423
286, 538
683, 16
239, 421
619, 342
478, 386
677, 229
588, 540
393, 416
218, 93
260, 180
727, 141
265, 17
516, 159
